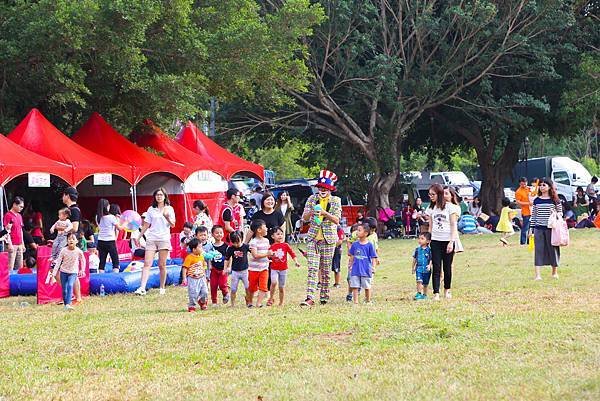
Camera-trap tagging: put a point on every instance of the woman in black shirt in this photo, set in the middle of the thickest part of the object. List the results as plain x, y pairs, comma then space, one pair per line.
273, 218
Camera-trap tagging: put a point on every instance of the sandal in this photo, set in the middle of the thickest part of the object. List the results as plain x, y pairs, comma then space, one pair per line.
270, 302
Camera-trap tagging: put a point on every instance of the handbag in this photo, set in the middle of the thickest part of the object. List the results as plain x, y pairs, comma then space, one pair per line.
560, 230
458, 246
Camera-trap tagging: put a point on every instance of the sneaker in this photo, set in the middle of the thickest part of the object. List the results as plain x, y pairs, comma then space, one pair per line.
448, 295
349, 298
436, 297
140, 291
324, 301
423, 297
225, 299
162, 291
250, 306
538, 278
307, 302
336, 286
191, 309
418, 296
69, 308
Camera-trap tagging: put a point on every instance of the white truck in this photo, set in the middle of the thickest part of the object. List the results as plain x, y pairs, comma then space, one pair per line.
565, 172
455, 179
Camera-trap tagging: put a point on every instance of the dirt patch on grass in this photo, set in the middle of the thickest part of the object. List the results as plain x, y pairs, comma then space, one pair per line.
344, 336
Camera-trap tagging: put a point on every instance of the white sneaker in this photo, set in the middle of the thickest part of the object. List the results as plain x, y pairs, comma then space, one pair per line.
69, 308
538, 278
140, 291
448, 295
436, 297
162, 291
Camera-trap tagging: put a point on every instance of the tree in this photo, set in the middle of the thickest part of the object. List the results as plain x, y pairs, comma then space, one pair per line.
379, 65
137, 59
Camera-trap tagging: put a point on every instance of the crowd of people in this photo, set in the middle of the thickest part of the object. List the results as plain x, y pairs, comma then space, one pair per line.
219, 255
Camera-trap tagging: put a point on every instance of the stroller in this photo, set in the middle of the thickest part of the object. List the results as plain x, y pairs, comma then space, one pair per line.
392, 224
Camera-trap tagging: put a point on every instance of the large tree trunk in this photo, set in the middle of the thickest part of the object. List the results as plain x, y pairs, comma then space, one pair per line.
379, 193
492, 190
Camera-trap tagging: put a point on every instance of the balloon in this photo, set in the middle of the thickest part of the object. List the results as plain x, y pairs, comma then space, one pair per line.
131, 220
212, 255
318, 219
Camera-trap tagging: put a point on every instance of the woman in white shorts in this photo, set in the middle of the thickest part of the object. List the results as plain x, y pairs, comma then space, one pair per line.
160, 217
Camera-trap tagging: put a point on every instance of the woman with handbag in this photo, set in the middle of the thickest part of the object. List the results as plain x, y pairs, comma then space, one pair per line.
545, 208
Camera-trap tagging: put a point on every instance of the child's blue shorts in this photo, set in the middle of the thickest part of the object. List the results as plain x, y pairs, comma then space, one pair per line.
423, 277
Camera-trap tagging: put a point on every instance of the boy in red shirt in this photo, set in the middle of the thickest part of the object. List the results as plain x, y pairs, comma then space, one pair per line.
279, 264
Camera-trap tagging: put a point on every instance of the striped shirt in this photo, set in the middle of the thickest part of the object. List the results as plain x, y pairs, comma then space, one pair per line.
542, 209
261, 246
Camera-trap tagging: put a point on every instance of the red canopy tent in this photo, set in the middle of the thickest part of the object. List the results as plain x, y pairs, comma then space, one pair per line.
151, 136
37, 134
202, 182
196, 141
15, 161
97, 131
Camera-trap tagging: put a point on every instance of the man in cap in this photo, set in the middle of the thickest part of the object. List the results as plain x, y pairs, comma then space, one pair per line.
323, 212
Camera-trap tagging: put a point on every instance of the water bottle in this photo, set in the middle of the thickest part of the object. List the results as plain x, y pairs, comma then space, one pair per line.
102, 292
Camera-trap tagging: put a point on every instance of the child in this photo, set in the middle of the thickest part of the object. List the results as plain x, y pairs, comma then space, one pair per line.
193, 270
372, 237
207, 246
280, 250
336, 264
505, 223
184, 239
258, 266
217, 272
62, 227
93, 259
422, 265
236, 264
349, 243
71, 262
363, 259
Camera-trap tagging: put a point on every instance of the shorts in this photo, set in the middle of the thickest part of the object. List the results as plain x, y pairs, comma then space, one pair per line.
423, 277
236, 277
279, 277
360, 282
257, 281
153, 245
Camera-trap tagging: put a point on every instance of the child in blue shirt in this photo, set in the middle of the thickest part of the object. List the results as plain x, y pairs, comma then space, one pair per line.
422, 265
362, 258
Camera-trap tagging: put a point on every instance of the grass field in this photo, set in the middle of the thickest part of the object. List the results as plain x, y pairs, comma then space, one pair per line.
502, 337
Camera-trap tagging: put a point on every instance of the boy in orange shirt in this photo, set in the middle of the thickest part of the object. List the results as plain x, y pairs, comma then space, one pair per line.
523, 198
194, 267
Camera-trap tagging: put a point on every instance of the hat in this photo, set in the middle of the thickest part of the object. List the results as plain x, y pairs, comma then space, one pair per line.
327, 180
71, 191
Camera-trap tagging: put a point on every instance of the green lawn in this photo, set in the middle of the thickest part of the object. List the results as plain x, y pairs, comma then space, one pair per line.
502, 337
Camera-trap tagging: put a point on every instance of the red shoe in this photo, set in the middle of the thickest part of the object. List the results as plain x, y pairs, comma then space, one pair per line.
191, 309
203, 305
307, 302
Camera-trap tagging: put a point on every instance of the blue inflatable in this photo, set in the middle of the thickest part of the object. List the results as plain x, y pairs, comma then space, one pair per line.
23, 284
129, 281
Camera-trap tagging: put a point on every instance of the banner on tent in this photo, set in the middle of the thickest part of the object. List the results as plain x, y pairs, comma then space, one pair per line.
38, 180
102, 179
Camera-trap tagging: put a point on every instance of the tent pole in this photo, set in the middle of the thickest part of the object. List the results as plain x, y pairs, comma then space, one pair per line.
185, 202
2, 197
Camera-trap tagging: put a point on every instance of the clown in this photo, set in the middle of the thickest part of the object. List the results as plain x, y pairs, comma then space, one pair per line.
323, 212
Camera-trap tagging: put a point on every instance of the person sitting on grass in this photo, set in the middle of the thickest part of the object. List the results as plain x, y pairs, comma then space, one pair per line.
363, 259
422, 265
467, 224
194, 267
71, 263
258, 275
236, 264
279, 267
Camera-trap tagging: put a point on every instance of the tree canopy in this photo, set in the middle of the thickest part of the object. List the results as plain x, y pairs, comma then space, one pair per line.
138, 59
